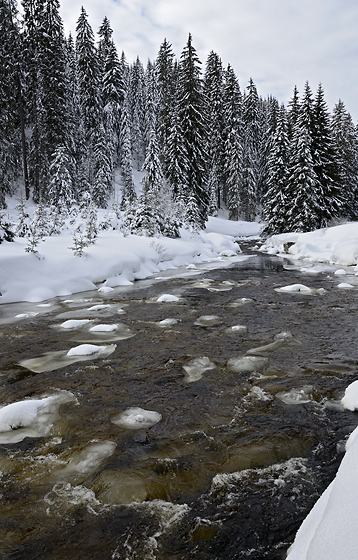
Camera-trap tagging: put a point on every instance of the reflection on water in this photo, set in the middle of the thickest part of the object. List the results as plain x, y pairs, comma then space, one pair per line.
208, 434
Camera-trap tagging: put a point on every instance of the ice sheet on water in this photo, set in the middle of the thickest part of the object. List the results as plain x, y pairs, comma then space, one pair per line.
51, 361
31, 417
195, 368
88, 460
280, 340
137, 418
208, 321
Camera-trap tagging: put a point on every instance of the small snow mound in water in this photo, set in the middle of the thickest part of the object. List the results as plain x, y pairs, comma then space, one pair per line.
74, 323
192, 267
239, 329
136, 418
208, 321
167, 298
295, 288
228, 253
340, 272
196, 367
26, 315
345, 286
167, 322
85, 350
105, 289
350, 399
99, 307
30, 417
103, 328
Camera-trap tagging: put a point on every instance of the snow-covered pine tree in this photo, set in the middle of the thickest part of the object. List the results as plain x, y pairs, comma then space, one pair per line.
324, 162
6, 229
303, 191
149, 214
191, 112
293, 111
61, 191
88, 74
103, 177
128, 191
166, 88
112, 86
346, 148
23, 218
10, 99
150, 101
213, 96
135, 99
274, 210
233, 146
177, 159
251, 157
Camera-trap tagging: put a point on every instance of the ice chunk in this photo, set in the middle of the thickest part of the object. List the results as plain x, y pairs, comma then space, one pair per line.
74, 323
208, 321
345, 286
137, 418
196, 367
168, 298
247, 364
350, 399
104, 328
26, 315
85, 350
240, 302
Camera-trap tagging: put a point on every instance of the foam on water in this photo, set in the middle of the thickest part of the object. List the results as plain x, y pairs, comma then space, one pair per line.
295, 396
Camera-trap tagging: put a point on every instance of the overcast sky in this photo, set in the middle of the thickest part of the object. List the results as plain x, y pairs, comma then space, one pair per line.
279, 43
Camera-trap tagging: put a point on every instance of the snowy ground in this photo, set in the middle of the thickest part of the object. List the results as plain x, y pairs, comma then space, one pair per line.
114, 260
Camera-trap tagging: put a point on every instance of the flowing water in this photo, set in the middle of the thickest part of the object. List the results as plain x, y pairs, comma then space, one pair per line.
201, 426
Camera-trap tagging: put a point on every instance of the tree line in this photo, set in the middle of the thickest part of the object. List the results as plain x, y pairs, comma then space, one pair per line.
74, 114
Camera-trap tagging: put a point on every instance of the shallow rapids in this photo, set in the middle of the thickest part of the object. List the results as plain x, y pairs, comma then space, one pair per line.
204, 426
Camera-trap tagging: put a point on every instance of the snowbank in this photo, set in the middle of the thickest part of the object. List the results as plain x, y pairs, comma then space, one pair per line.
335, 245
114, 260
329, 532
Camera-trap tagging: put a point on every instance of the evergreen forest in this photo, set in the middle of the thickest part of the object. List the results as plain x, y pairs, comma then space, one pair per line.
76, 116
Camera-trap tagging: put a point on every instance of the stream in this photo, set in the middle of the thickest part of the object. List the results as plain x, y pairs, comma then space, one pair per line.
192, 417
